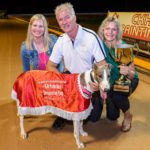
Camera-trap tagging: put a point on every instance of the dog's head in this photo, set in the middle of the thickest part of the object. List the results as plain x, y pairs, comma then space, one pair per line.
102, 75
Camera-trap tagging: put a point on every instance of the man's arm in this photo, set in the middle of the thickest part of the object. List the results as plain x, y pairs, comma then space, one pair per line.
52, 66
102, 62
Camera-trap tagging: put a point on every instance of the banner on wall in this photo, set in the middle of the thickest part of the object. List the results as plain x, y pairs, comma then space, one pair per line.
136, 28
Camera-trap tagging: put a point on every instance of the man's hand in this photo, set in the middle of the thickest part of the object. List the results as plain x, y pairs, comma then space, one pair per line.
94, 86
52, 67
103, 95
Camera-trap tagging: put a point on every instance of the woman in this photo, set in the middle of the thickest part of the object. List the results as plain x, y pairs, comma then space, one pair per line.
110, 32
37, 47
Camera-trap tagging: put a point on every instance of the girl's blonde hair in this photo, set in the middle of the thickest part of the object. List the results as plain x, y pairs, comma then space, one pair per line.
29, 38
103, 25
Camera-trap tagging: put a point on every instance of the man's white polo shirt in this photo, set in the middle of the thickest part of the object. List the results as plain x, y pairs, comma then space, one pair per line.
80, 55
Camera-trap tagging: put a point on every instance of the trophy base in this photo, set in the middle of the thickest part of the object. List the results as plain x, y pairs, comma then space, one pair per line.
121, 88
123, 81
122, 85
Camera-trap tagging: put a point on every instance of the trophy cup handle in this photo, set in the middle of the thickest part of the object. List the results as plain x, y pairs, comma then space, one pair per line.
136, 48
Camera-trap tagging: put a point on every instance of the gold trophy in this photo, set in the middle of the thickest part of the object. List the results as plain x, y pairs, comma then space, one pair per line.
124, 56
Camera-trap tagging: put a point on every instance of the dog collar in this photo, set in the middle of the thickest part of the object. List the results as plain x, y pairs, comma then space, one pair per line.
92, 79
86, 92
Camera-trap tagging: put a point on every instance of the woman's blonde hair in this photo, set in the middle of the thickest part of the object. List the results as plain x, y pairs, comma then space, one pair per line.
103, 25
29, 38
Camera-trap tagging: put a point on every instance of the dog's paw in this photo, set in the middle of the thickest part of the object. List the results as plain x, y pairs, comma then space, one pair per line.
84, 133
81, 145
24, 135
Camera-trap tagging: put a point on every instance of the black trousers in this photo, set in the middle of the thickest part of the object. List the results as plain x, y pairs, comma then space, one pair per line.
97, 103
115, 102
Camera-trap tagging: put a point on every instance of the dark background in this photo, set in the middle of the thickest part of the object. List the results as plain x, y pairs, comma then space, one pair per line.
81, 6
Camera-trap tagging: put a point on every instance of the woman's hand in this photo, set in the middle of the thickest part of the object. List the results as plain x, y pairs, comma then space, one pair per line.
128, 70
124, 69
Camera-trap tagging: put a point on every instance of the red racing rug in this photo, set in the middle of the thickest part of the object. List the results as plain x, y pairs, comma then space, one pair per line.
39, 92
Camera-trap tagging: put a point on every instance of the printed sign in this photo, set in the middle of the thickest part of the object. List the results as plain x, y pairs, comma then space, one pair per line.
136, 28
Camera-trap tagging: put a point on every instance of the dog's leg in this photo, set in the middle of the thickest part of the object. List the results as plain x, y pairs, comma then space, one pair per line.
82, 132
23, 133
76, 125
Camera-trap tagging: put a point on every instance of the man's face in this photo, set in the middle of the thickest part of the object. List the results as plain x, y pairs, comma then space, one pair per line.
66, 21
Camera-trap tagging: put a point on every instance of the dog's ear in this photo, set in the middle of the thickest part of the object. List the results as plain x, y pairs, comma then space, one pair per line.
94, 66
110, 66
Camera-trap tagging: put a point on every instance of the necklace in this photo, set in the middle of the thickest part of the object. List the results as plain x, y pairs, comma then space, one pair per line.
39, 47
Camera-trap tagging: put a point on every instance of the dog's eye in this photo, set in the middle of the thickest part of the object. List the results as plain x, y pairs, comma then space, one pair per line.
100, 76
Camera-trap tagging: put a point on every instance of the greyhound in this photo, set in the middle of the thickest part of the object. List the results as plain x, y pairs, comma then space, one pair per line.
35, 87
